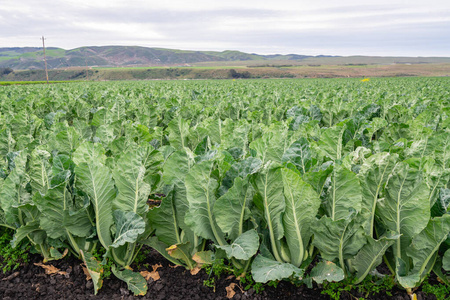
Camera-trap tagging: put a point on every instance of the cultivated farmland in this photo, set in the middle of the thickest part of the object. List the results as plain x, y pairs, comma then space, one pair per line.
308, 181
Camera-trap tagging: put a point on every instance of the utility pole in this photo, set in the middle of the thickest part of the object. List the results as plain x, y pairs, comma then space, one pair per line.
45, 58
87, 70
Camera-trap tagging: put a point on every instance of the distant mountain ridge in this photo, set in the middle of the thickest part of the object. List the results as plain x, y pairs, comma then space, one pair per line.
118, 56
22, 58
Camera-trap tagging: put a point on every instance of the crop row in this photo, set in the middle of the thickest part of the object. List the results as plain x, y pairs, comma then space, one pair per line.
267, 175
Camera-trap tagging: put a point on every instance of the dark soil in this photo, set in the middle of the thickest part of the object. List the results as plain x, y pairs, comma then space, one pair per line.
31, 282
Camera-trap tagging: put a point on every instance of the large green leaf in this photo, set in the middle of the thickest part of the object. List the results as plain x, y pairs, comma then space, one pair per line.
129, 226
161, 248
266, 269
132, 191
14, 192
177, 166
271, 146
40, 171
95, 270
331, 142
232, 209
67, 140
370, 256
423, 248
327, 270
244, 247
302, 204
269, 185
317, 178
182, 252
96, 180
89, 152
405, 209
338, 240
241, 169
300, 155
178, 130
163, 219
23, 231
343, 195
135, 282
446, 260
7, 142
373, 176
201, 189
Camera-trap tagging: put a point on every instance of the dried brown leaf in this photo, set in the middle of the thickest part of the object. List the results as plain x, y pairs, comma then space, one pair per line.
50, 270
153, 275
230, 290
229, 277
195, 270
86, 273
175, 266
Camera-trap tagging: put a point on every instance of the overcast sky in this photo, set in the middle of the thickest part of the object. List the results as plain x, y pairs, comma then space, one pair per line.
386, 28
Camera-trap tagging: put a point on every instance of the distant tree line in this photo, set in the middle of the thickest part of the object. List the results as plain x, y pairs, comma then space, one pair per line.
234, 74
5, 71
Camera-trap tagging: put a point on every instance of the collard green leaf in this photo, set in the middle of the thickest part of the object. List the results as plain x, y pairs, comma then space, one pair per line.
302, 204
373, 176
331, 142
317, 178
446, 260
201, 189
7, 142
182, 252
14, 192
178, 130
67, 141
129, 226
244, 247
135, 282
405, 209
133, 192
241, 169
96, 181
265, 269
343, 195
300, 155
40, 171
338, 240
327, 271
269, 185
177, 166
436, 178
163, 219
271, 146
232, 209
424, 247
161, 248
95, 269
89, 153
25, 230
370, 256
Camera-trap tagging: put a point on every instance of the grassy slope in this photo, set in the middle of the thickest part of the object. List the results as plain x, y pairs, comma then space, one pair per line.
204, 72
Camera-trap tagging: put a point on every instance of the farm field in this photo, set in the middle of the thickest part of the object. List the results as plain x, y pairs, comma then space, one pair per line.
312, 185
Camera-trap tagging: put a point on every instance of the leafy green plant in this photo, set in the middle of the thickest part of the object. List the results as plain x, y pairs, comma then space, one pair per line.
11, 258
441, 291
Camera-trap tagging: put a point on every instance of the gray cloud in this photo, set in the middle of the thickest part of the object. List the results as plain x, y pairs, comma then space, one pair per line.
385, 29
